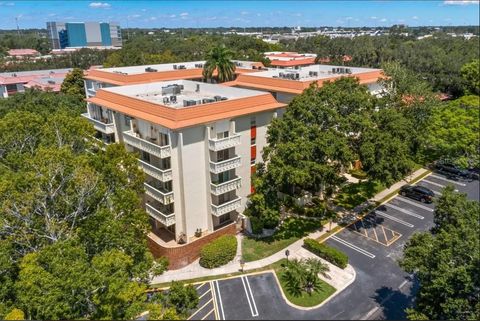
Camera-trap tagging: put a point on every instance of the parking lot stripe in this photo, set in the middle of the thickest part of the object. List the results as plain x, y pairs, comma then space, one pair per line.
448, 180
198, 287
209, 290
436, 184
214, 297
217, 289
200, 309
353, 247
404, 211
402, 199
250, 298
394, 219
208, 314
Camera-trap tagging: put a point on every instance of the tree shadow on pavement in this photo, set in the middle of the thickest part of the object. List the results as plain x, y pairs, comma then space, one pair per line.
393, 302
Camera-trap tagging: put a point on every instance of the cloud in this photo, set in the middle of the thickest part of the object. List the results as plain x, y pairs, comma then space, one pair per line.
97, 5
383, 20
244, 13
184, 14
8, 4
374, 18
172, 16
415, 18
349, 18
460, 2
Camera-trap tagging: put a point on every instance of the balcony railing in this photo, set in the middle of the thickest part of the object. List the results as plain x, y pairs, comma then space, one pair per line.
219, 210
163, 175
227, 186
224, 143
143, 144
165, 219
91, 91
100, 126
231, 163
163, 197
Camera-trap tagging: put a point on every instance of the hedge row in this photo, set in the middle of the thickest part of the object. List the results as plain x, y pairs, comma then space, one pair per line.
326, 252
219, 252
358, 173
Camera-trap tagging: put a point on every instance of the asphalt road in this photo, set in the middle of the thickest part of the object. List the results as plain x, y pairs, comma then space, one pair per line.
381, 289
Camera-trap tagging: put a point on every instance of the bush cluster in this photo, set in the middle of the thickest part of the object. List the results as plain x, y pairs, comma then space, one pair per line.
219, 252
358, 173
326, 252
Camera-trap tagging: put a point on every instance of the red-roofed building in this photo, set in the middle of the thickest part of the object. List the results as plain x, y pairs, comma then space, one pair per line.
290, 59
23, 53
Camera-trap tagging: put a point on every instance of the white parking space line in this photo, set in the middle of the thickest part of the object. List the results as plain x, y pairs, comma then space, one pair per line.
448, 180
198, 287
404, 211
403, 199
353, 247
394, 218
436, 184
209, 290
200, 309
217, 290
250, 299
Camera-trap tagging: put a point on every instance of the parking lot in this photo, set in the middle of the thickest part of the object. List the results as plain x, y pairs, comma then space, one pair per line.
381, 290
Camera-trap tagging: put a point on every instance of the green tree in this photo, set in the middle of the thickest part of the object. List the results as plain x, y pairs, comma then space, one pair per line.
15, 314
453, 131
73, 84
182, 297
471, 76
446, 261
219, 60
303, 275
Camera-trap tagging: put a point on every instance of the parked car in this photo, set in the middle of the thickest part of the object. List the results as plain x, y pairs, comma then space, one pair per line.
419, 193
453, 171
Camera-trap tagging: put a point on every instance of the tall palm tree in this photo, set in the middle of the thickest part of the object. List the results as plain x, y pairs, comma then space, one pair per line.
219, 59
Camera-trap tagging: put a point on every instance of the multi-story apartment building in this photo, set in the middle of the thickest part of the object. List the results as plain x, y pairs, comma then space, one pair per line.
84, 34
16, 82
197, 144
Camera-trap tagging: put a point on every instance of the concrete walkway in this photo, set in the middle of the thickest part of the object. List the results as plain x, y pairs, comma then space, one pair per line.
194, 270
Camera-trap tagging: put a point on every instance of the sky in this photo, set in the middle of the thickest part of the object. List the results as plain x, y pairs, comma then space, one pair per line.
200, 14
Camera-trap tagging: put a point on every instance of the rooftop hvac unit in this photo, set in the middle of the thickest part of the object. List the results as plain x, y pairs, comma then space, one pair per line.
198, 88
217, 98
281, 75
51, 82
166, 100
207, 100
173, 99
348, 71
334, 70
224, 98
182, 67
174, 66
189, 102
150, 69
297, 76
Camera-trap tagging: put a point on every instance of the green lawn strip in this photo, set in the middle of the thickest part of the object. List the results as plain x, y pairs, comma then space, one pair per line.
304, 300
355, 194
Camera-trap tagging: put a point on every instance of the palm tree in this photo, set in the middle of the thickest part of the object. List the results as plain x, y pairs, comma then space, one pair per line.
303, 275
219, 59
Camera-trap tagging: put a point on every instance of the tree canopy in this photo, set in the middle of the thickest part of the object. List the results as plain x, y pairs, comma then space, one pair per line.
446, 261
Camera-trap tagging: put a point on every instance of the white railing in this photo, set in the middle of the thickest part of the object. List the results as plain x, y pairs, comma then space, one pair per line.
155, 172
218, 167
227, 186
219, 210
91, 91
143, 144
166, 220
164, 198
224, 143
100, 126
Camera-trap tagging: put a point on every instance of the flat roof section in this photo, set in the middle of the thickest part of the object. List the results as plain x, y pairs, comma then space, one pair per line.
183, 103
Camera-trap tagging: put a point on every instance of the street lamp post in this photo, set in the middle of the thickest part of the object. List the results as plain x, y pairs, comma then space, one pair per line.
242, 264
287, 253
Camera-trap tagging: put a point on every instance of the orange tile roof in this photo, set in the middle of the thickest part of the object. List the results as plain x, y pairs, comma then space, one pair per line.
175, 118
294, 62
120, 79
295, 86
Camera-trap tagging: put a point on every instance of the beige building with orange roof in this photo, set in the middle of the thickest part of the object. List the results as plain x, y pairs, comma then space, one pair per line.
198, 144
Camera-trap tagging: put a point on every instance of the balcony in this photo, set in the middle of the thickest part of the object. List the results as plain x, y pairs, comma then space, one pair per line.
106, 128
163, 175
227, 186
91, 91
163, 197
231, 163
219, 210
167, 220
224, 143
160, 151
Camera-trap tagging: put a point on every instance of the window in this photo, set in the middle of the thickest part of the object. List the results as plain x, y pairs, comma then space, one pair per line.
127, 120
224, 218
253, 122
222, 155
253, 141
222, 135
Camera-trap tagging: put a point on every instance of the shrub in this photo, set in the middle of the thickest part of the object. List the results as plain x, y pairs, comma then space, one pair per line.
15, 314
257, 225
160, 265
219, 252
358, 173
326, 252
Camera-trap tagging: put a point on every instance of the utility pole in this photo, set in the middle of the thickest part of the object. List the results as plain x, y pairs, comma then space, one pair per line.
18, 29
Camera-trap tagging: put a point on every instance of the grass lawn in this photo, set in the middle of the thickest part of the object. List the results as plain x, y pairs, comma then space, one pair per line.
292, 230
304, 300
352, 195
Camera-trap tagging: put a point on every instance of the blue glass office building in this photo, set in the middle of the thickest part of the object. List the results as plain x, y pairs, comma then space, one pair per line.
84, 34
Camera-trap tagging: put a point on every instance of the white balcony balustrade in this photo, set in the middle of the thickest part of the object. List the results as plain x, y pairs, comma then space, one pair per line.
160, 151
230, 185
163, 197
222, 166
106, 128
163, 175
219, 210
165, 219
216, 144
